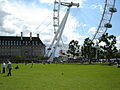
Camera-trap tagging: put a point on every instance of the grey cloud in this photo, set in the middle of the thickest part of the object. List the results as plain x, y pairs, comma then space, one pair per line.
4, 30
2, 16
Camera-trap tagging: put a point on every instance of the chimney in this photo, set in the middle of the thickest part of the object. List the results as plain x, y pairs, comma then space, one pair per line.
38, 35
21, 35
30, 35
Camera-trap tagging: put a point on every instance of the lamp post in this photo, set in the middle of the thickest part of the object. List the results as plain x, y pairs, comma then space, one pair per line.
97, 47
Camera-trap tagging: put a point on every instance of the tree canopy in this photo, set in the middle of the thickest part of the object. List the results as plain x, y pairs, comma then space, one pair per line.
88, 49
73, 49
109, 48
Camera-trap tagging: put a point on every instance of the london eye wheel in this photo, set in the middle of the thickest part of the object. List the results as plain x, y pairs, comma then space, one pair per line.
108, 8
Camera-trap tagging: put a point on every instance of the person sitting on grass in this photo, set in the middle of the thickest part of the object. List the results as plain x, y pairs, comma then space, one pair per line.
17, 67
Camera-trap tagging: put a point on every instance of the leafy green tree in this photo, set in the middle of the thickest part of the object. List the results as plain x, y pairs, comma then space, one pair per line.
109, 49
74, 49
88, 49
117, 55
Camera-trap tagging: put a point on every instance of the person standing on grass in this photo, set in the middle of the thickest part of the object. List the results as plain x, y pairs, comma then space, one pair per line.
32, 64
3, 67
9, 68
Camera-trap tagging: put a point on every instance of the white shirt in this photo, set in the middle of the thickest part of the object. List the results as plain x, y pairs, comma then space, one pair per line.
3, 65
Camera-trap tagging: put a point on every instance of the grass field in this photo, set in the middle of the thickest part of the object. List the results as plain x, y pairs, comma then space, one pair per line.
62, 77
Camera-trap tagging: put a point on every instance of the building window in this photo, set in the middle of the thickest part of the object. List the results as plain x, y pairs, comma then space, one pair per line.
14, 43
8, 42
39, 43
17, 42
5, 42
2, 42
11, 42
29, 43
36, 43
20, 43
26, 43
23, 42
33, 43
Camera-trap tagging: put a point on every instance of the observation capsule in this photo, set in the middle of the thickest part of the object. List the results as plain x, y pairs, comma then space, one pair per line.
113, 10
108, 25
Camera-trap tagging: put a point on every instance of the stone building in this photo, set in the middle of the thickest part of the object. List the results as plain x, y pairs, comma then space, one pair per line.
16, 46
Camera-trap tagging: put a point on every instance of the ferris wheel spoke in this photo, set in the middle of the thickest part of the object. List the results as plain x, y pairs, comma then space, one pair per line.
58, 29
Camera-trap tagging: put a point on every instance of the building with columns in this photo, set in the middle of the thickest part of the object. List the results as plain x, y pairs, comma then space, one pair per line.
28, 47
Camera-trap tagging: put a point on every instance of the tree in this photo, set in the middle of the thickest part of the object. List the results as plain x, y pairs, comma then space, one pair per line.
117, 55
109, 49
88, 50
74, 49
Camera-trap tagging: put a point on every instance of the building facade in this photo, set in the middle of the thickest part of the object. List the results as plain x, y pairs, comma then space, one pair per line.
28, 47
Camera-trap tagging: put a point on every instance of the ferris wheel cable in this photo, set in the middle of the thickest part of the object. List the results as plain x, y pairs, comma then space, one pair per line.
45, 27
42, 22
53, 41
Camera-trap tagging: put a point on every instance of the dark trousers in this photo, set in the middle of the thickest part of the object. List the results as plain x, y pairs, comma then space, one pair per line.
9, 71
3, 71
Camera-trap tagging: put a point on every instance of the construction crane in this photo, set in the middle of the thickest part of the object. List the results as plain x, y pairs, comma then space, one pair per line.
58, 33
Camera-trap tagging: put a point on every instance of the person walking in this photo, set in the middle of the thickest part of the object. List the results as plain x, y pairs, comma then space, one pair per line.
9, 68
3, 67
32, 64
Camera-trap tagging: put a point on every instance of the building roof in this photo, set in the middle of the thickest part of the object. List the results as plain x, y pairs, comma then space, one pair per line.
18, 38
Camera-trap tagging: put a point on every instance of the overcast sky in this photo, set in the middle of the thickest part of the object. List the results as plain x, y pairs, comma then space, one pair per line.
26, 15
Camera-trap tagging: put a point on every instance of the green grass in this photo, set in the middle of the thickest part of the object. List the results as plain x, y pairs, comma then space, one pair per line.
62, 77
